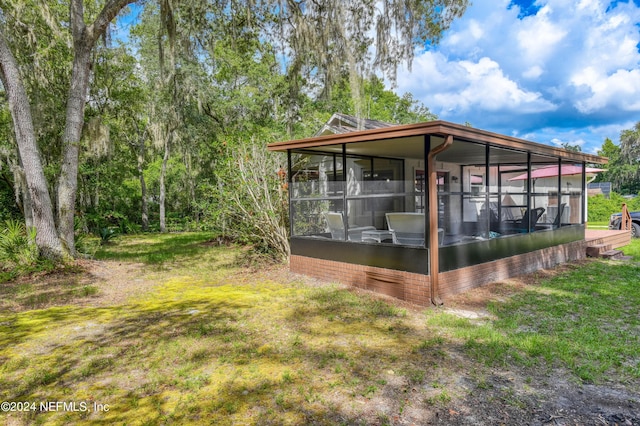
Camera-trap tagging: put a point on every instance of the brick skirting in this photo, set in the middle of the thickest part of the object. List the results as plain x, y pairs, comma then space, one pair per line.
414, 287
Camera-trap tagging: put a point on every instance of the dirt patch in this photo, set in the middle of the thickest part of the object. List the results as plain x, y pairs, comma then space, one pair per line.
117, 282
82, 283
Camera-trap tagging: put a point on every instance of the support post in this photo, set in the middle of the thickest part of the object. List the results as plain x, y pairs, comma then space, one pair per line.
434, 270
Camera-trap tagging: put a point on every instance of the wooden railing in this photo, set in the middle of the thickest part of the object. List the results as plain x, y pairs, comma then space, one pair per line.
625, 224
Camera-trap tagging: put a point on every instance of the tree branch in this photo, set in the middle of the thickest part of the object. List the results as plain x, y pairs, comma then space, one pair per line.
107, 14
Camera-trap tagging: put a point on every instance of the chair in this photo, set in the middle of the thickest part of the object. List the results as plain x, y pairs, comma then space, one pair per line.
335, 222
408, 228
526, 224
557, 221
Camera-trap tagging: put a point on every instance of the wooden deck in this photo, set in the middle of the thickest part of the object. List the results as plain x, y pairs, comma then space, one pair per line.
615, 239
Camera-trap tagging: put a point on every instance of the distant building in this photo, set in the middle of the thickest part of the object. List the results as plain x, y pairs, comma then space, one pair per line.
341, 123
595, 188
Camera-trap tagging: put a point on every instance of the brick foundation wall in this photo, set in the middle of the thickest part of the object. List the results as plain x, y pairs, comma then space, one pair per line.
414, 287
459, 280
407, 286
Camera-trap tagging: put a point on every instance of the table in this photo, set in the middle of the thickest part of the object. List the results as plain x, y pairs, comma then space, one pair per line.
376, 235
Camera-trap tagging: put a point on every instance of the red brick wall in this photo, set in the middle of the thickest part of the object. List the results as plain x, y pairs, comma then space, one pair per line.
415, 287
403, 285
459, 280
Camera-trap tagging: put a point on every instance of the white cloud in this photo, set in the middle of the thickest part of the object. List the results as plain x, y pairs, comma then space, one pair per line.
572, 68
489, 89
621, 89
469, 36
533, 72
463, 86
539, 37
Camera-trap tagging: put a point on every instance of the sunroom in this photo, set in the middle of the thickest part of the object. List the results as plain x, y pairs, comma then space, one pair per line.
427, 210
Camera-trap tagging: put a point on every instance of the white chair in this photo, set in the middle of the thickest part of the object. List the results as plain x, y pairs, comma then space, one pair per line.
408, 228
335, 222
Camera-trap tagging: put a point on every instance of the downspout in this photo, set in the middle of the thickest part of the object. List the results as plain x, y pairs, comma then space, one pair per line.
434, 270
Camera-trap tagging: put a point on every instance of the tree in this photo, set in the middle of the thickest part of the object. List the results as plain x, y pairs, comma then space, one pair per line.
47, 239
320, 41
622, 170
630, 144
328, 37
378, 103
571, 147
115, 141
84, 40
56, 242
630, 159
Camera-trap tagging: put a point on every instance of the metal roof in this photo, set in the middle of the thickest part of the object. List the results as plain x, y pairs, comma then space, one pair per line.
440, 129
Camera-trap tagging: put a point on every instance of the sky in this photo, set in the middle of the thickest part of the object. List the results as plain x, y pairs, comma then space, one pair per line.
549, 71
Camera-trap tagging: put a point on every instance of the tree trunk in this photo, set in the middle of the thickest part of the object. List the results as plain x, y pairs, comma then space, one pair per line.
137, 145
21, 191
51, 242
84, 40
145, 204
23, 198
68, 179
47, 239
163, 191
143, 186
192, 187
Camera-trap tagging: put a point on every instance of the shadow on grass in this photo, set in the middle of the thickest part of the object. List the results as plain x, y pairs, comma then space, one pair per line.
38, 291
264, 353
223, 358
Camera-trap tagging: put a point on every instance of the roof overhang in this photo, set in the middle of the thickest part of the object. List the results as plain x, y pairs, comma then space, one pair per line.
439, 129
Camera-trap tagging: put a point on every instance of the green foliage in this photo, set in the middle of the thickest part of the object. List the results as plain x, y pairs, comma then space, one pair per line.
570, 147
378, 103
107, 234
250, 203
601, 208
208, 77
623, 170
17, 245
8, 208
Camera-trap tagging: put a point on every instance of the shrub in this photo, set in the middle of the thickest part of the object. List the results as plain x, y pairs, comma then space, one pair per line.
107, 234
600, 208
250, 202
18, 245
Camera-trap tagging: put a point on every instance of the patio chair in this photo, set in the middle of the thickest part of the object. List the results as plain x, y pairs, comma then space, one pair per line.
526, 224
557, 221
408, 228
335, 222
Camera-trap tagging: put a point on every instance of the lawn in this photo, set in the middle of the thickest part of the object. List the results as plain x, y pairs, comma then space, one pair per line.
598, 225
173, 329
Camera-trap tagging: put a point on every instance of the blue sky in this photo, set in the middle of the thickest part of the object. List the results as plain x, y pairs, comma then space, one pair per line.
550, 71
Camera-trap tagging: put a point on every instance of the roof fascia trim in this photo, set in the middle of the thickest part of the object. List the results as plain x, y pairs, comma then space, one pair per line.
438, 128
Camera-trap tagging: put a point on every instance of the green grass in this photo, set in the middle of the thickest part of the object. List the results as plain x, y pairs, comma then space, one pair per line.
585, 319
155, 249
217, 343
211, 341
598, 225
633, 249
